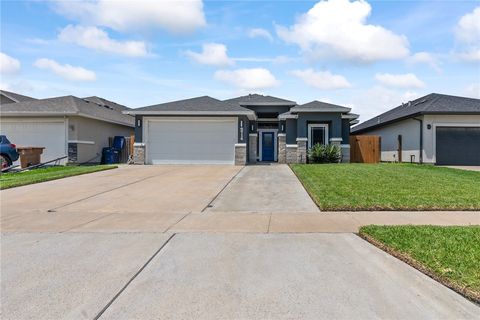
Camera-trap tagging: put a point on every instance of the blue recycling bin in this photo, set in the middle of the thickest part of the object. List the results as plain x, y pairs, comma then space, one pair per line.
118, 143
108, 156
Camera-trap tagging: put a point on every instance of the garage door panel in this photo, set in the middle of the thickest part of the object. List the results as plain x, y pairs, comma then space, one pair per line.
191, 141
458, 146
48, 134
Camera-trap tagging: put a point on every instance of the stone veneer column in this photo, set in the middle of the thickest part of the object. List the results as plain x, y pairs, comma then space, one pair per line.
302, 150
138, 153
240, 154
252, 147
282, 148
291, 153
338, 142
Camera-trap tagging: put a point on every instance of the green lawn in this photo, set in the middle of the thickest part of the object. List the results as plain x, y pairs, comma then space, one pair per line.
389, 186
11, 180
448, 254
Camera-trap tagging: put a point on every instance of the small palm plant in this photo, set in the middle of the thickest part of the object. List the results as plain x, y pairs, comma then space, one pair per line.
320, 153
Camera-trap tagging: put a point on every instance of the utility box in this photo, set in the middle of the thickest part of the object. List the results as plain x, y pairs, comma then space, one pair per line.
29, 156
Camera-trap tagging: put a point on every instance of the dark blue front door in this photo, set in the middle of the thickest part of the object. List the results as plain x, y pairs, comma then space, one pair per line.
268, 146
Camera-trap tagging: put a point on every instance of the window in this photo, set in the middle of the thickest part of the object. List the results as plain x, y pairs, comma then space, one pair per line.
317, 133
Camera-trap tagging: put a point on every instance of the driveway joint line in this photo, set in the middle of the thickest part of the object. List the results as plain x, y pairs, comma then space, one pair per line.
175, 223
85, 223
209, 205
269, 221
132, 278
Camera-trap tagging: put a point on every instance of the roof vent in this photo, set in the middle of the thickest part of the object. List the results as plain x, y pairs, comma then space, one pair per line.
420, 102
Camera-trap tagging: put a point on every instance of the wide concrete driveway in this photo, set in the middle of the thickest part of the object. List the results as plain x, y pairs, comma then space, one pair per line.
203, 242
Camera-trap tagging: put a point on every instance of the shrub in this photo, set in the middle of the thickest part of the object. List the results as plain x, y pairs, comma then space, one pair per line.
320, 153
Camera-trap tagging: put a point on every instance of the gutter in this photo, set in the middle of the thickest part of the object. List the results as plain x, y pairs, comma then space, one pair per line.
421, 139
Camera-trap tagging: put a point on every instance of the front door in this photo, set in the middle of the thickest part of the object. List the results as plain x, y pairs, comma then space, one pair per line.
268, 146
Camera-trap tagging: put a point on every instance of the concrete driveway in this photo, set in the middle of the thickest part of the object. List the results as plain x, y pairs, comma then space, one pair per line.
184, 242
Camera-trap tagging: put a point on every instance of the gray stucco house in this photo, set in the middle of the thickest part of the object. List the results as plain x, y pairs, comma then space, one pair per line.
436, 129
242, 130
65, 126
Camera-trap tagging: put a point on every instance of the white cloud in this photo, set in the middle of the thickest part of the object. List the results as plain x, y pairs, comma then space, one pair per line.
260, 33
473, 90
8, 65
247, 79
467, 33
213, 54
407, 80
175, 16
95, 38
66, 71
338, 28
425, 58
321, 79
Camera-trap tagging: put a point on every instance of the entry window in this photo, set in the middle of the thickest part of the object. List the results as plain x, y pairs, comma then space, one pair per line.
317, 134
268, 140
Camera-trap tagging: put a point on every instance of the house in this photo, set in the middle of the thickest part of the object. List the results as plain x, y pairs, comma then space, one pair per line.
250, 128
11, 97
437, 129
65, 126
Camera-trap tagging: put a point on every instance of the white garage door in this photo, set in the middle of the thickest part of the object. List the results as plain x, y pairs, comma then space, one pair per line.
37, 133
191, 140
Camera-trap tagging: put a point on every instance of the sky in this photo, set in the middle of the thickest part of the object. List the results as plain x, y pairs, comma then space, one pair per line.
367, 55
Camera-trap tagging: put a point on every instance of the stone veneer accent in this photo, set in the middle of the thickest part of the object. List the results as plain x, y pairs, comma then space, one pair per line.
337, 142
252, 147
302, 150
240, 154
291, 153
72, 152
345, 152
138, 153
282, 148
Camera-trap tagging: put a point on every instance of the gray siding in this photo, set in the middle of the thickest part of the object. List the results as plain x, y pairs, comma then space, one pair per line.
269, 109
291, 130
345, 131
333, 119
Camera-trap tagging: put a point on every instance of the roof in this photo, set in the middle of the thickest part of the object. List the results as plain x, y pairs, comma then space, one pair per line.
15, 96
67, 105
433, 103
108, 103
260, 100
203, 105
318, 106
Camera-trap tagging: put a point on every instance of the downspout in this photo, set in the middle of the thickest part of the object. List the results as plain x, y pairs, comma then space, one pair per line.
421, 139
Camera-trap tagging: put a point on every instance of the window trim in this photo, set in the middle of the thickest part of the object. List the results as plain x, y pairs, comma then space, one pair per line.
317, 125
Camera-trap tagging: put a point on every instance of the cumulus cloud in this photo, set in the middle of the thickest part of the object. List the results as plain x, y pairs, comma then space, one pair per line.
247, 79
321, 79
338, 28
467, 33
407, 80
8, 65
98, 39
66, 71
213, 54
175, 16
260, 33
425, 58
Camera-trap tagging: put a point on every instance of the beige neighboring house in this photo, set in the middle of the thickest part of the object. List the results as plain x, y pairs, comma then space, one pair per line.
65, 126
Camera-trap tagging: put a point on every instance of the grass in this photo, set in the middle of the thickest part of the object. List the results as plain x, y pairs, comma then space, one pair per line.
11, 180
450, 255
355, 187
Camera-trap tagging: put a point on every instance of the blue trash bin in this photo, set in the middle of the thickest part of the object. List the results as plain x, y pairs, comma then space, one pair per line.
108, 156
118, 143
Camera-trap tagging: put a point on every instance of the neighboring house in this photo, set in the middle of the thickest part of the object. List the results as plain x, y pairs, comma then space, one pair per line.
437, 128
68, 125
11, 97
236, 131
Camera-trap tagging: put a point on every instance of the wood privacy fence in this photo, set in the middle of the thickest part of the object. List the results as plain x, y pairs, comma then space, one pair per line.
127, 151
365, 149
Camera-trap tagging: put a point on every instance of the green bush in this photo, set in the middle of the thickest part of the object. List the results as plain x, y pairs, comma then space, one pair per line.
320, 153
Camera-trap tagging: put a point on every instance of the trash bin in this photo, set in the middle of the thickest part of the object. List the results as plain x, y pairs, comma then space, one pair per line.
118, 143
107, 156
29, 156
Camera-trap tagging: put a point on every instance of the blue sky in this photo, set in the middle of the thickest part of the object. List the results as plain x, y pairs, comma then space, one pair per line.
370, 56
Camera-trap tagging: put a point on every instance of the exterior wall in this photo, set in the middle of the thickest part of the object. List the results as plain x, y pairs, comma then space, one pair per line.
302, 150
92, 136
282, 148
334, 121
252, 147
291, 131
410, 131
291, 153
345, 131
269, 109
138, 128
429, 135
240, 154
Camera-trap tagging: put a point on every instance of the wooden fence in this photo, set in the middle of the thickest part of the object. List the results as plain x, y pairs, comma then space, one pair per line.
365, 149
127, 151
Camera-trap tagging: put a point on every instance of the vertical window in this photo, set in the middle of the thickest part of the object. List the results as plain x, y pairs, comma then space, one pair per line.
317, 134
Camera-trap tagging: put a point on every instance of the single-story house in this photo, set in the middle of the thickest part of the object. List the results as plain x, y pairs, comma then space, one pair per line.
250, 128
436, 129
12, 97
65, 126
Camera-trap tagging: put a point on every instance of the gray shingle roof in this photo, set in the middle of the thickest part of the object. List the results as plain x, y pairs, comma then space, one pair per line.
15, 96
258, 99
108, 103
204, 103
320, 107
433, 103
67, 105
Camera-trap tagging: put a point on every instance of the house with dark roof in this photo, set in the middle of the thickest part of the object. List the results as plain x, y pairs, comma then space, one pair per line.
241, 130
12, 97
437, 129
65, 126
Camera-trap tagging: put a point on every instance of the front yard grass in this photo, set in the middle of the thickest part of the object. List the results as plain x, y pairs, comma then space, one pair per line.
355, 187
451, 255
11, 180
